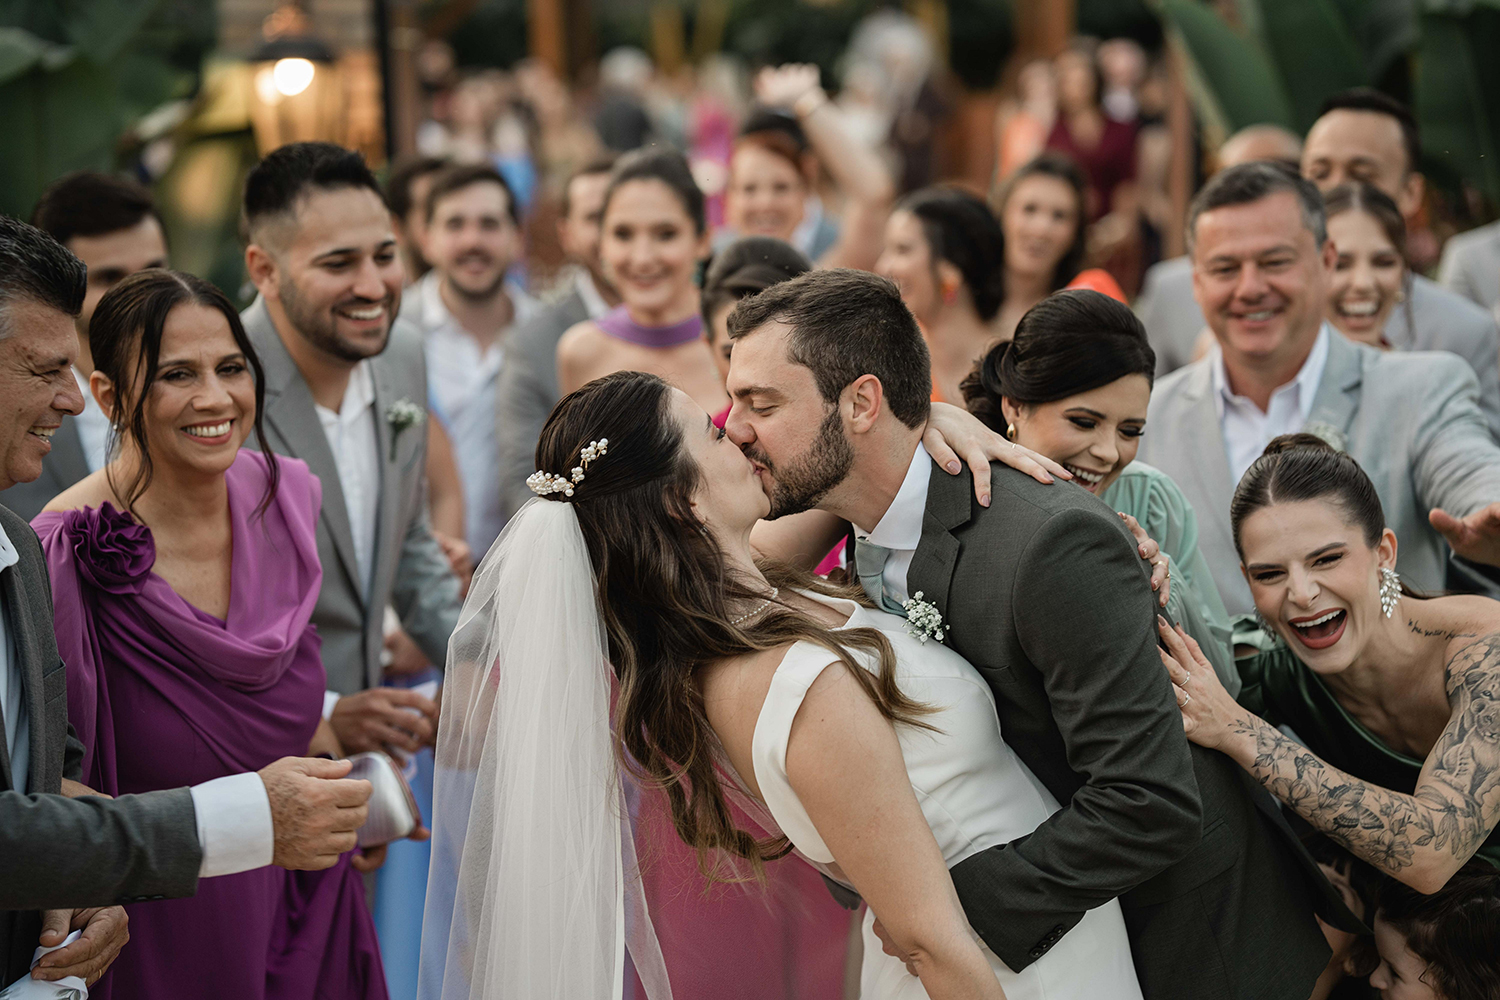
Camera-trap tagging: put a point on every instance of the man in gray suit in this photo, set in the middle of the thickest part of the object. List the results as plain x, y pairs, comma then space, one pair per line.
1471, 265
1261, 263
1042, 590
1173, 321
109, 223
72, 856
346, 393
527, 390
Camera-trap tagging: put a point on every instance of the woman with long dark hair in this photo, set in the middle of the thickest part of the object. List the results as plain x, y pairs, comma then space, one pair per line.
875, 755
184, 575
1395, 696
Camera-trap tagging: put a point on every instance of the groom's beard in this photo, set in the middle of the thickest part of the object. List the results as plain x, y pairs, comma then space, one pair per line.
801, 484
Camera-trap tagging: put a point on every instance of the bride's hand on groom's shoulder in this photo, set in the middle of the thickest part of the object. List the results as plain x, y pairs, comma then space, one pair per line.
1210, 715
955, 437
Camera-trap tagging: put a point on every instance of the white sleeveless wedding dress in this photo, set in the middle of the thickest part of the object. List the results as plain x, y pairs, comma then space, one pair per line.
974, 792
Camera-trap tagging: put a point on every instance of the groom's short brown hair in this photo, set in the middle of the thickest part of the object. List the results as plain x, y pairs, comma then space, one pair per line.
845, 324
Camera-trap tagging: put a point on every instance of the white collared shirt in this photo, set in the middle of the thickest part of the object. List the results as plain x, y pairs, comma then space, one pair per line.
588, 291
12, 688
232, 814
1246, 429
92, 426
355, 443
461, 380
900, 528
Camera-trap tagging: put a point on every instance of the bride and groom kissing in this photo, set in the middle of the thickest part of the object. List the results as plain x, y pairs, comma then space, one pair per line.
648, 603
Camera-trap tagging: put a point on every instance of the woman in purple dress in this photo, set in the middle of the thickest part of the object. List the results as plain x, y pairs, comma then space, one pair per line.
184, 575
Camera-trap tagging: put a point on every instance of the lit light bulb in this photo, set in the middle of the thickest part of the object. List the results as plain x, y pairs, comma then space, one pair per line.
292, 76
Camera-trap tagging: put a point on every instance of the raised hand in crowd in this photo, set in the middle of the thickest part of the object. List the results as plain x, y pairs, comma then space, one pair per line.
1475, 538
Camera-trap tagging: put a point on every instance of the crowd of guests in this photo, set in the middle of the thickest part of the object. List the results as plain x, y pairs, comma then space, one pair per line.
256, 527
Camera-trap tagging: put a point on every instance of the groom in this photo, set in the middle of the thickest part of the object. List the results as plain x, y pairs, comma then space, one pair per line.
1042, 590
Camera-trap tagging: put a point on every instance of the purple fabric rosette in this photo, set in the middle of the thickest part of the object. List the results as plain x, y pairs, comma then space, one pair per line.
115, 552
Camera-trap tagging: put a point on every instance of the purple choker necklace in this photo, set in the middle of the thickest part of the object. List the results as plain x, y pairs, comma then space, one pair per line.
617, 323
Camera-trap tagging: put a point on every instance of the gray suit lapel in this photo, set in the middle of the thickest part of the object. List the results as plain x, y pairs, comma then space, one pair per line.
1204, 441
387, 546
949, 504
1334, 406
291, 414
29, 666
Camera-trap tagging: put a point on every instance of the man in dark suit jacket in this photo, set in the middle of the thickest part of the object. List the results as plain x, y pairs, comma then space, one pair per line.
71, 856
1041, 589
527, 389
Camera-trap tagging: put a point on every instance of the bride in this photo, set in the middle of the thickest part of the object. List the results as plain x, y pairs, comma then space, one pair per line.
874, 754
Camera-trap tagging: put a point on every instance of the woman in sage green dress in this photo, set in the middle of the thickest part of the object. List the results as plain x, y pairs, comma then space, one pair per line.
1074, 385
1394, 698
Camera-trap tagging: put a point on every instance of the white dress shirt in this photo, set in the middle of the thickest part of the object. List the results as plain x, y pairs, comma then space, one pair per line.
1246, 428
233, 813
461, 380
593, 302
93, 426
900, 528
355, 443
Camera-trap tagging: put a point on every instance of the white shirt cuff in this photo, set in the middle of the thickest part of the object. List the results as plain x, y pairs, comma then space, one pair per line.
234, 824
330, 699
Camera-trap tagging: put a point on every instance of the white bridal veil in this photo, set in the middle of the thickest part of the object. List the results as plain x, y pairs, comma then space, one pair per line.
533, 892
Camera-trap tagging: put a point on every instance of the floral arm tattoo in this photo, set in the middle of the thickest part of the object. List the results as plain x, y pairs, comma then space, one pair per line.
1457, 799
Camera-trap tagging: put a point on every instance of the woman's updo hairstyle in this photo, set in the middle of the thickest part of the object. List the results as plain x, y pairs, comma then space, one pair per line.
1298, 467
665, 165
747, 266
961, 229
1070, 342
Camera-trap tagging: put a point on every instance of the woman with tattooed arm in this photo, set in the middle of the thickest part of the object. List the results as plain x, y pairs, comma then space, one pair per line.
1395, 697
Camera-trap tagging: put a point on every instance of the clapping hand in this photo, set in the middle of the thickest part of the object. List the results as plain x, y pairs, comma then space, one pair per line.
1475, 538
1161, 569
105, 931
953, 434
1209, 713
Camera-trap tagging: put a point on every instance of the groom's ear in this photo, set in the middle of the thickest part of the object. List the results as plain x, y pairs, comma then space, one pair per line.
863, 402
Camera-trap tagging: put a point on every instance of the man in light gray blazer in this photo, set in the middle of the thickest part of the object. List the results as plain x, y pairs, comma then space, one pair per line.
1471, 265
1261, 260
346, 393
71, 855
527, 390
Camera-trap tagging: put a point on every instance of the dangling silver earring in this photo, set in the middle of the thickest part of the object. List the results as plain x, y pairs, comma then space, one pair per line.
1390, 591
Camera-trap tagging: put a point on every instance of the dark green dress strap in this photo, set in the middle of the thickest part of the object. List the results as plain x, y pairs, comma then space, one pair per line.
1282, 690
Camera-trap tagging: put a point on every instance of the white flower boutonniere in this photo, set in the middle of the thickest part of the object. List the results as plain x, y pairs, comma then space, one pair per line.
401, 414
923, 620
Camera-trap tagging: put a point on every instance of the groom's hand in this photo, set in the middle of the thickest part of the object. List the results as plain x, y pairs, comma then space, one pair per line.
889, 947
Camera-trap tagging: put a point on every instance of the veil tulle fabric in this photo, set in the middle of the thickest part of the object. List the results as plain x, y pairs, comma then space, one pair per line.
534, 892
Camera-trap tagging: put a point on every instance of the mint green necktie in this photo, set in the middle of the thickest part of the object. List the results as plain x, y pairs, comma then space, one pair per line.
869, 564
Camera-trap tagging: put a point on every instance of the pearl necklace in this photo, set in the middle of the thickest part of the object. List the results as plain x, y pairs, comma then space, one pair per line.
775, 592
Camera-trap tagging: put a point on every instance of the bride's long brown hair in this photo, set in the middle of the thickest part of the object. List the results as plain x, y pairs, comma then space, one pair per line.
669, 602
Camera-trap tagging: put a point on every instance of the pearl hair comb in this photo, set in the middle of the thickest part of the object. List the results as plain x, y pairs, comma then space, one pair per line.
543, 483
